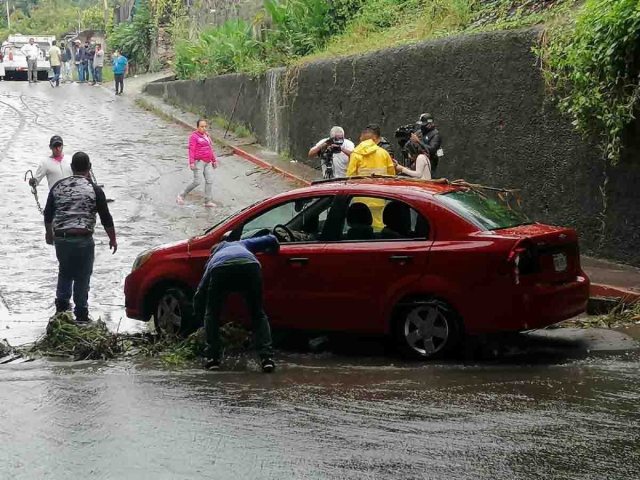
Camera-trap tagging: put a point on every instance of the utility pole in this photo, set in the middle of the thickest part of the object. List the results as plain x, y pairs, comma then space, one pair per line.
8, 16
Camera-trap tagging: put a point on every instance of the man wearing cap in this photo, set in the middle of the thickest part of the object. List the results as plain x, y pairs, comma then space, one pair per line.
55, 167
431, 140
32, 52
70, 220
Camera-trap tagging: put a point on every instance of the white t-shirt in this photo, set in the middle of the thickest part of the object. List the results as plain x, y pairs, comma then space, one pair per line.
423, 168
54, 170
340, 160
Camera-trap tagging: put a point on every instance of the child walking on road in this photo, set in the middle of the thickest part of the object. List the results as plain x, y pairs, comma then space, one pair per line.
202, 161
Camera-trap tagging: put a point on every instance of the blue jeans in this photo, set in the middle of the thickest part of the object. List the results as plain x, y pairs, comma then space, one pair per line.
91, 71
75, 258
56, 75
97, 75
80, 68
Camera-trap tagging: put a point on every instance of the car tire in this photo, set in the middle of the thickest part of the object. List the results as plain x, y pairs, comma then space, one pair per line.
427, 329
173, 312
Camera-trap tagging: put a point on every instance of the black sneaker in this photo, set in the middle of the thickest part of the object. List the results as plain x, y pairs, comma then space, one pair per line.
211, 364
268, 365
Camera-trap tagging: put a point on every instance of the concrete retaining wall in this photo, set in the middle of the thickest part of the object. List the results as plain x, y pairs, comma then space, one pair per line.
489, 103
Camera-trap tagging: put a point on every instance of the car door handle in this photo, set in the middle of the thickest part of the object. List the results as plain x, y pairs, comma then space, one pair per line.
298, 261
401, 258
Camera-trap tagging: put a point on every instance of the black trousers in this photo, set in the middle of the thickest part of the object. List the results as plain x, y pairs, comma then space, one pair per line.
119, 78
246, 280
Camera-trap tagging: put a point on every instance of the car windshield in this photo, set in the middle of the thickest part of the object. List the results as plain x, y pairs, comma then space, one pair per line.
486, 212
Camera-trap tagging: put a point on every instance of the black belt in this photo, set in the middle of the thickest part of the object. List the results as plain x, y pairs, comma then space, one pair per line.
63, 234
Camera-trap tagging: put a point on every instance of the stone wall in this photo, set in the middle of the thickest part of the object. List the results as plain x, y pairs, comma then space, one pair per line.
489, 102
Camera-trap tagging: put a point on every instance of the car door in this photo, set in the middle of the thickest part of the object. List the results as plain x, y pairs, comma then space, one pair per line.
367, 269
292, 290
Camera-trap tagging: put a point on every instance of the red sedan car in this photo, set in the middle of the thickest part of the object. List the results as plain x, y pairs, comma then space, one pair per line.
421, 261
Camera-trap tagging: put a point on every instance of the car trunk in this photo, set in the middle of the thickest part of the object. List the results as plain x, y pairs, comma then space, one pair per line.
544, 254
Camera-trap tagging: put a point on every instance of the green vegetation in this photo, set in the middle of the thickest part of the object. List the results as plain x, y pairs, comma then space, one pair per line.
296, 31
54, 17
65, 338
237, 129
95, 341
135, 39
591, 66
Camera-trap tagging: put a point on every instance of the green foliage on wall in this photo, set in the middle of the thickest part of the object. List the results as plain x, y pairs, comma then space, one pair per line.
592, 67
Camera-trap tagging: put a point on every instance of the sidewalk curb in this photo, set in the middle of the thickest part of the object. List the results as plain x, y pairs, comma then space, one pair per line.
610, 291
240, 152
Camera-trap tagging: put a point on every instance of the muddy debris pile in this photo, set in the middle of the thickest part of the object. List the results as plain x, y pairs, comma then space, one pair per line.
622, 315
65, 338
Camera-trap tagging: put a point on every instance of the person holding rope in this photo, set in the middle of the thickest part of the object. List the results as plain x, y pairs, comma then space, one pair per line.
55, 167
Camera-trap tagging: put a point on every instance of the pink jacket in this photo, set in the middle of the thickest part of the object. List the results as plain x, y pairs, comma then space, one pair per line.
201, 148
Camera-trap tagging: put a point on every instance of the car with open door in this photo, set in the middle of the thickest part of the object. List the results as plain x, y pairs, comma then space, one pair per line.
421, 261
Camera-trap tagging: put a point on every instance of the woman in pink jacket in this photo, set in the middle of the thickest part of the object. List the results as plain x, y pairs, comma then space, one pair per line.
201, 161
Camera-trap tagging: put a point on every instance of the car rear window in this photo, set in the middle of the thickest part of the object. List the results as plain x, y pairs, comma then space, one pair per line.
486, 212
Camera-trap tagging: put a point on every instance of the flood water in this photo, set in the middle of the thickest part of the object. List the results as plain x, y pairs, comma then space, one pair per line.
142, 162
564, 407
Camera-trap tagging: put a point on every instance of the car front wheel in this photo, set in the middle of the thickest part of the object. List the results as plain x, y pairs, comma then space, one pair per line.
173, 314
427, 329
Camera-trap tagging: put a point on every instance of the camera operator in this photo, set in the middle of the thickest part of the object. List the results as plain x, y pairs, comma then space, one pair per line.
431, 140
334, 152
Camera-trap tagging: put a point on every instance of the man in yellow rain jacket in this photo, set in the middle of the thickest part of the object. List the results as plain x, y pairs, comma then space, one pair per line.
369, 159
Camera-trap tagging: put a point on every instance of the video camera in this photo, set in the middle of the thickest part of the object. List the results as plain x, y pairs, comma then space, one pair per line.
332, 145
403, 136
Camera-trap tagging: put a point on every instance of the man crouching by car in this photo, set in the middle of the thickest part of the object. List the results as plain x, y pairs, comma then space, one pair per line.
233, 268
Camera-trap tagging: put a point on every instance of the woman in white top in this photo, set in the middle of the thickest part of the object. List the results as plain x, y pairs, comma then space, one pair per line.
419, 161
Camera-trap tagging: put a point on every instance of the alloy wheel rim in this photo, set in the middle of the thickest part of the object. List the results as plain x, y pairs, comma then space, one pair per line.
426, 330
169, 314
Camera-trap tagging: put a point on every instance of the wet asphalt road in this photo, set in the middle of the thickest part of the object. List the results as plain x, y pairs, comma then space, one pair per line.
561, 406
142, 162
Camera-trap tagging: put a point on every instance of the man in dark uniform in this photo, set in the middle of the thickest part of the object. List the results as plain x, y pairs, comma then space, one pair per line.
233, 268
69, 220
431, 140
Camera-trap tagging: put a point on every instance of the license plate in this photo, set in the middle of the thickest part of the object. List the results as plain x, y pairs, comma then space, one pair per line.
560, 262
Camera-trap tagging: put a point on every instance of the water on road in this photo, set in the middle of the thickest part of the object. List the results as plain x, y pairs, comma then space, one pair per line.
142, 162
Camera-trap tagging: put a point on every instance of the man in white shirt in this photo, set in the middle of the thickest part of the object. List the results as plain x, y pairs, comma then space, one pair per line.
341, 148
31, 51
55, 167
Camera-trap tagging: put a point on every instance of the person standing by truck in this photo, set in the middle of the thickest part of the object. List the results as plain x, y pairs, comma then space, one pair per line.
31, 51
55, 60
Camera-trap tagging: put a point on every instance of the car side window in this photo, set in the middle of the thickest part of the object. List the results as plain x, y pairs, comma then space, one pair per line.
380, 219
300, 220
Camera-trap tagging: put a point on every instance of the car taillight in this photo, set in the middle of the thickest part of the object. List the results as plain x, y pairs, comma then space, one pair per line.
522, 260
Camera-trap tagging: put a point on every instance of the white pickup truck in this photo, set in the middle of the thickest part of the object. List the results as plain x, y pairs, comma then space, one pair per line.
14, 61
